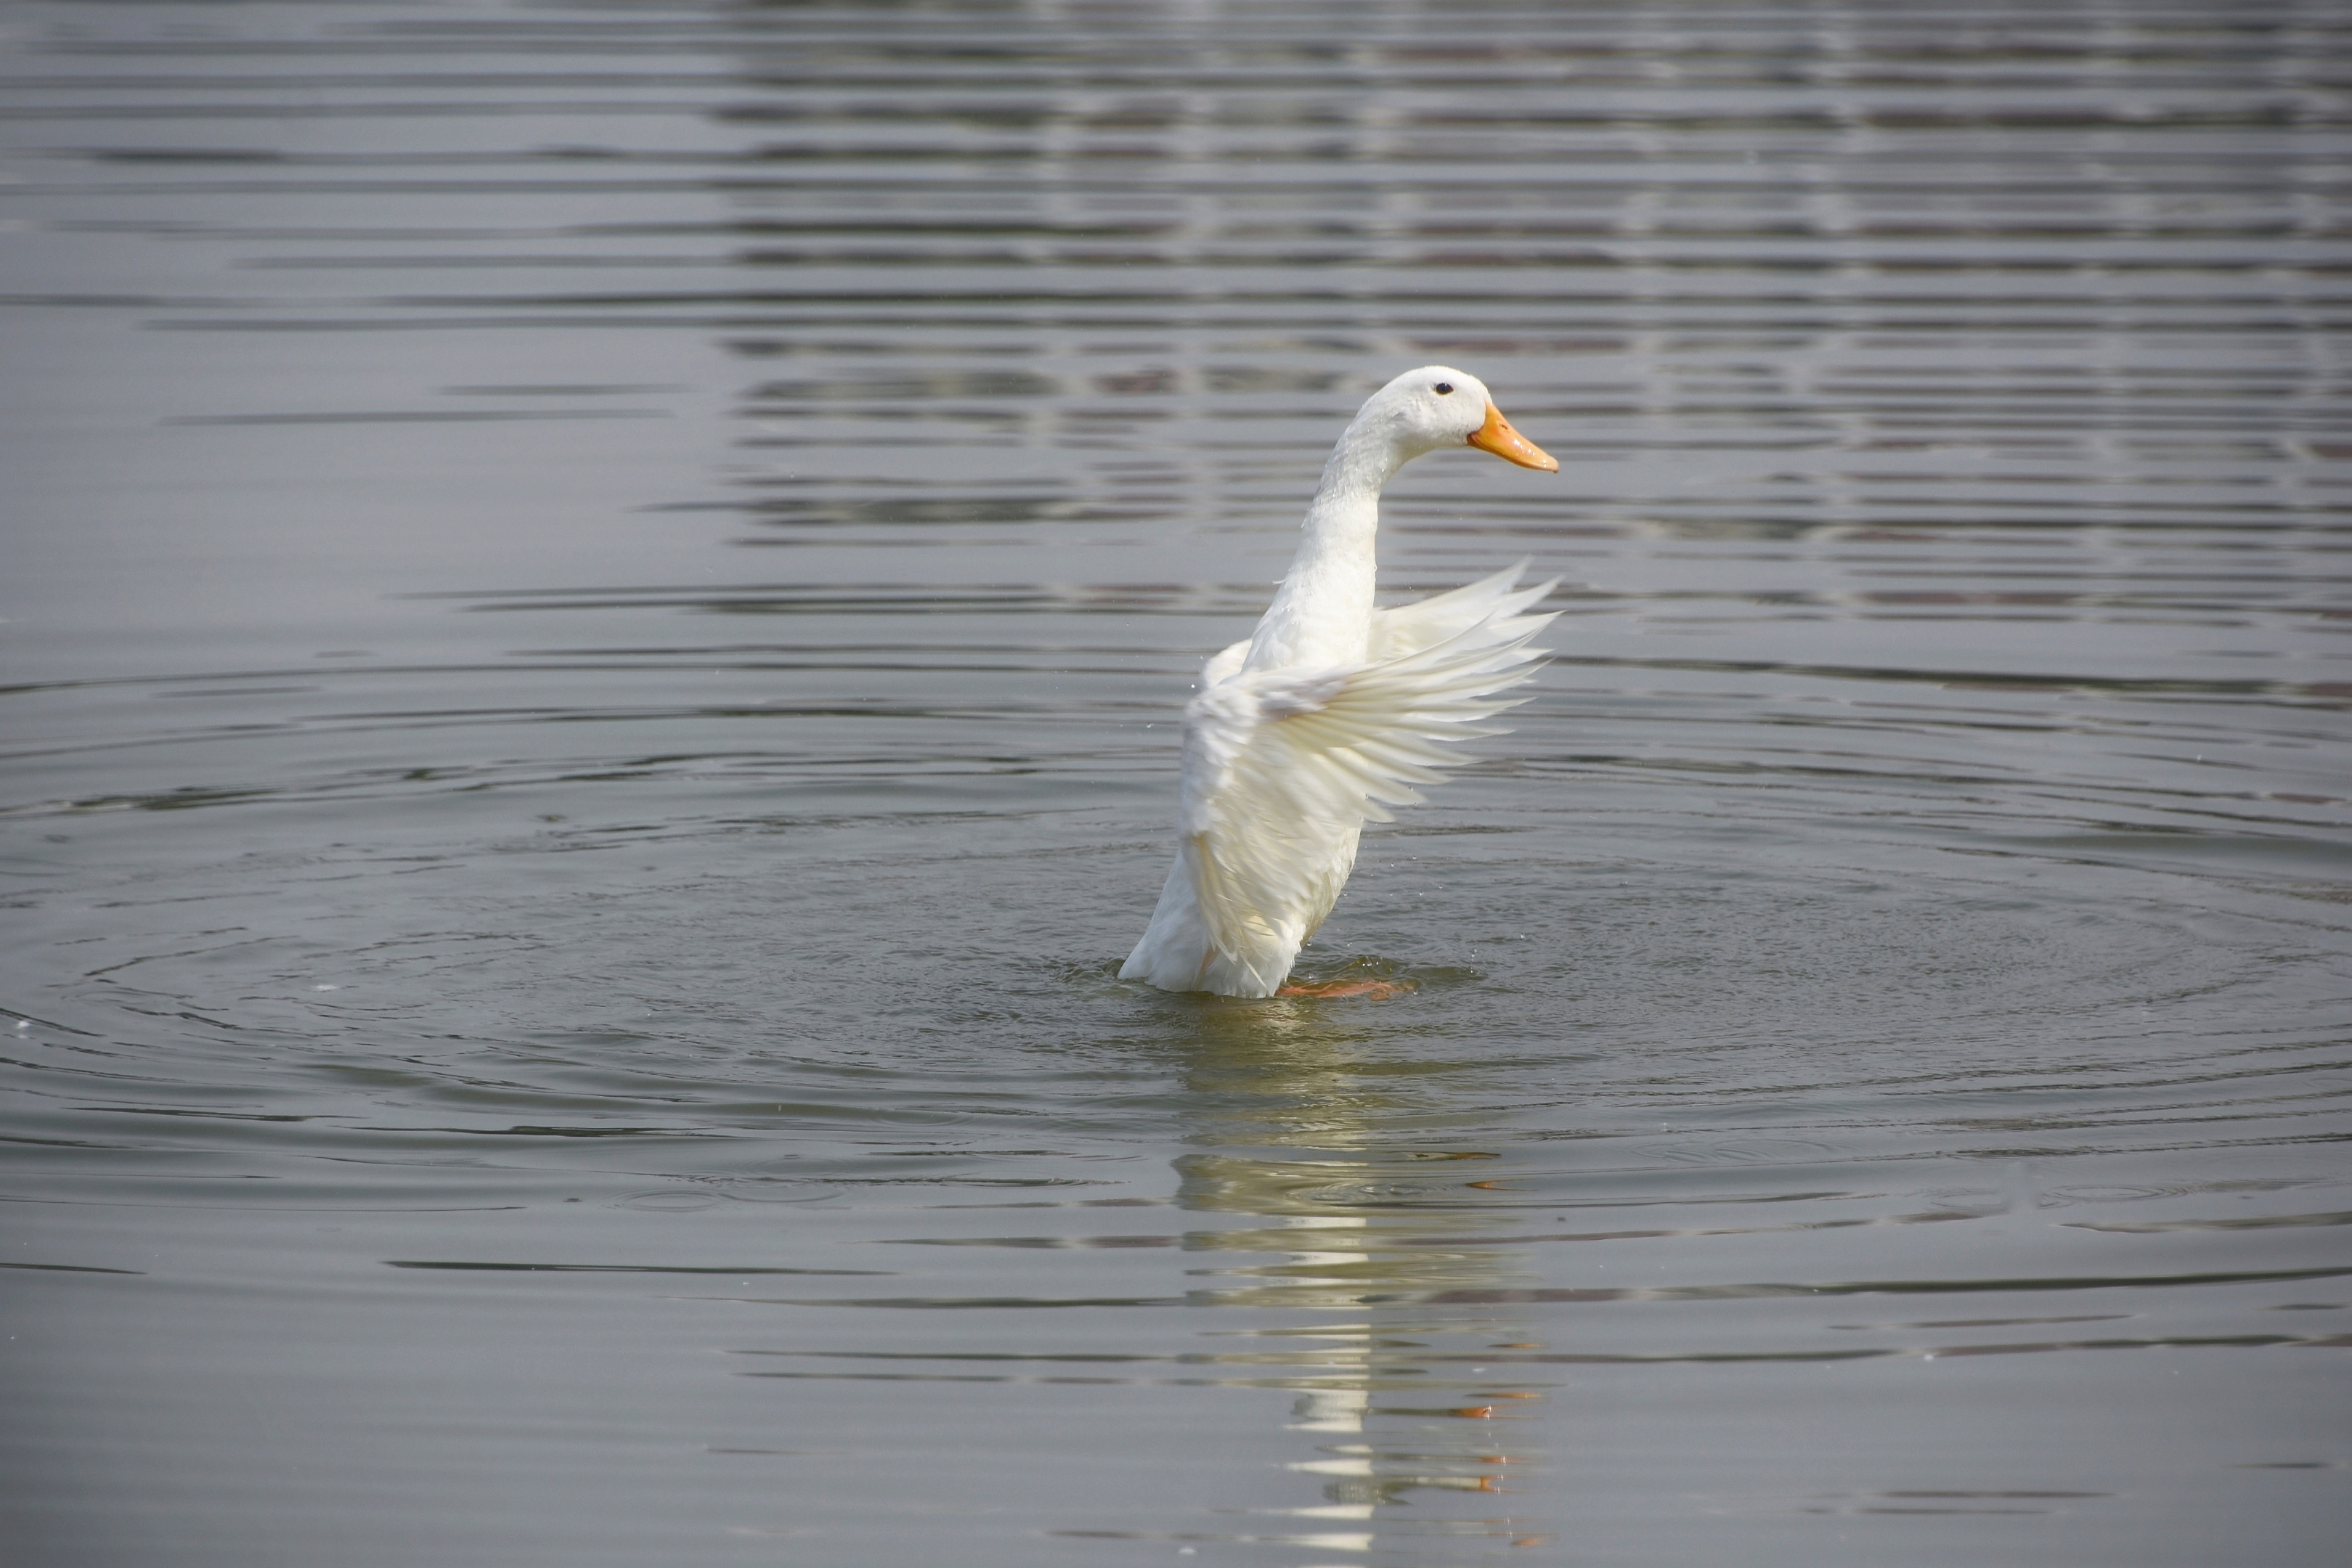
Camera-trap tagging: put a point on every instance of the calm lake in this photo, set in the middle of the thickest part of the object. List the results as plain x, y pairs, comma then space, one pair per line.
597, 599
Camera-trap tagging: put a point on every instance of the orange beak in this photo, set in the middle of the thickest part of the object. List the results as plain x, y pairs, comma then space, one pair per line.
1497, 437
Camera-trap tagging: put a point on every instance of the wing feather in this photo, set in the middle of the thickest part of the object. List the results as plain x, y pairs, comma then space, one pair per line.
1283, 768
1409, 628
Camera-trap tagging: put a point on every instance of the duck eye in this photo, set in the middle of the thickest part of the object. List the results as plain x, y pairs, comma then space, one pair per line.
1443, 388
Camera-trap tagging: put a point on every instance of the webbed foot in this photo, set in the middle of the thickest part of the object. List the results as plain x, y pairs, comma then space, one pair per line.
1330, 991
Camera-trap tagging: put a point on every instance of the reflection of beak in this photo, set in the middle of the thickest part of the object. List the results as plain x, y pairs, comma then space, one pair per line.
1497, 437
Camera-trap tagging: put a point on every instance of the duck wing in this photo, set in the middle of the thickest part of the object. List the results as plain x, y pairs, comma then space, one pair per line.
1425, 622
1282, 767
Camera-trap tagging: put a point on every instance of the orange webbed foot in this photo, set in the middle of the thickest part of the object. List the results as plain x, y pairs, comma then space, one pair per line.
1331, 990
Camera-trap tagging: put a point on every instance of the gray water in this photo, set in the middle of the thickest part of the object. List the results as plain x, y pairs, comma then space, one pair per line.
596, 599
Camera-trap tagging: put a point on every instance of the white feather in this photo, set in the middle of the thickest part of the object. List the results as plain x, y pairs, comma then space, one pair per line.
1288, 751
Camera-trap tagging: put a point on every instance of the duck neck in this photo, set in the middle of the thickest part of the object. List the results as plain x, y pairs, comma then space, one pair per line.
1322, 613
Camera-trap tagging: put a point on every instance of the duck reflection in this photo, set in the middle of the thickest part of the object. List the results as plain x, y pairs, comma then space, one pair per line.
1356, 1203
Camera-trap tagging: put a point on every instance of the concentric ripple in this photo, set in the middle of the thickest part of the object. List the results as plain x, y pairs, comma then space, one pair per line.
598, 603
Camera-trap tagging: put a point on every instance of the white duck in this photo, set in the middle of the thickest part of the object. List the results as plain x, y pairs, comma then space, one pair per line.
1332, 708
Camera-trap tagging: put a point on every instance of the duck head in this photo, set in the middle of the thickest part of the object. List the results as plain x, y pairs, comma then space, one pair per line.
1437, 406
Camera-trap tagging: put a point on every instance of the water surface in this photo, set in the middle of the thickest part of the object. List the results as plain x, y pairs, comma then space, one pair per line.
597, 602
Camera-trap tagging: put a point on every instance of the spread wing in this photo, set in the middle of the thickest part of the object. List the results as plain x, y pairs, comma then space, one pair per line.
1423, 623
1409, 628
1283, 766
